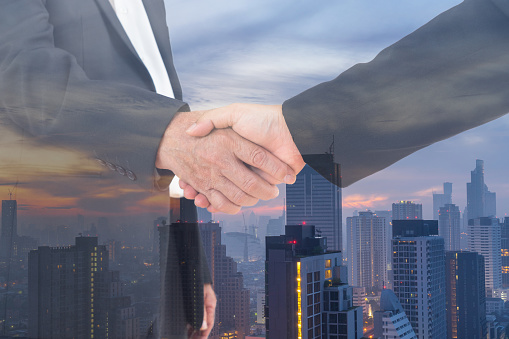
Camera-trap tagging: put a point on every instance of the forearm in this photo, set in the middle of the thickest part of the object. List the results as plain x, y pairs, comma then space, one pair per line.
448, 76
44, 92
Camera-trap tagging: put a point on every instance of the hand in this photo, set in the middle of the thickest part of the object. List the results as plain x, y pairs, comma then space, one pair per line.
215, 165
262, 124
209, 304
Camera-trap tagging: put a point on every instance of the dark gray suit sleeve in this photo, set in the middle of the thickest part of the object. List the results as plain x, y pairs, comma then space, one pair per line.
45, 93
450, 75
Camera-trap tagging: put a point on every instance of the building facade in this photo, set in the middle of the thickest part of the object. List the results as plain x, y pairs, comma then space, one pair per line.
391, 321
466, 296
419, 275
367, 251
406, 210
306, 293
441, 199
449, 220
484, 237
480, 201
315, 198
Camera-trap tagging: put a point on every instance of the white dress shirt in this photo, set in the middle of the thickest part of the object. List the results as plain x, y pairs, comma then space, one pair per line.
134, 20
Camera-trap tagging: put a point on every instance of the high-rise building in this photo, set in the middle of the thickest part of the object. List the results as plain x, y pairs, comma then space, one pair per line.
232, 312
391, 321
9, 231
484, 237
466, 295
504, 244
441, 199
480, 201
419, 275
367, 250
359, 299
315, 198
306, 293
449, 220
68, 290
406, 210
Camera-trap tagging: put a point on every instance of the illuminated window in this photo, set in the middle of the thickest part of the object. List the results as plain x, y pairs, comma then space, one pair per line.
328, 274
327, 264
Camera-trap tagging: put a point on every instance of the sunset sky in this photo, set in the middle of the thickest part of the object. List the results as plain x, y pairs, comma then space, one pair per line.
266, 52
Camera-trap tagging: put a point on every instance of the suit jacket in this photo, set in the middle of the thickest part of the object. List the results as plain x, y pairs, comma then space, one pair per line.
450, 75
70, 76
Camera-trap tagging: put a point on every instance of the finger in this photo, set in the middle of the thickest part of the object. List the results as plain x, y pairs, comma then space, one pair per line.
183, 184
190, 193
222, 117
201, 201
259, 157
221, 203
211, 209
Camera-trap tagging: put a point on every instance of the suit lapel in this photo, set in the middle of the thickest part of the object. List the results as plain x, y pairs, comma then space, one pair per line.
111, 16
157, 16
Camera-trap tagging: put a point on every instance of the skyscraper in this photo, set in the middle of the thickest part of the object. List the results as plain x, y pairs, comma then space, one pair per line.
306, 294
9, 233
315, 198
484, 238
449, 220
466, 296
480, 201
406, 210
67, 291
367, 249
419, 275
441, 199
232, 312
504, 241
391, 321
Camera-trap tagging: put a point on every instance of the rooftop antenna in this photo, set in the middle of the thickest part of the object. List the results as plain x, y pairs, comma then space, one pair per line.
331, 147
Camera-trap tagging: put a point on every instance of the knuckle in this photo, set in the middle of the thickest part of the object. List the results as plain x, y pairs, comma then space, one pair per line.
249, 185
258, 157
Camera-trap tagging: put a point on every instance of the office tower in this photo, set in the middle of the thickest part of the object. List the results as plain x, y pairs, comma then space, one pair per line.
204, 215
367, 251
232, 312
406, 210
9, 233
449, 220
484, 238
306, 296
391, 321
260, 306
67, 291
466, 296
315, 198
419, 275
182, 267
441, 199
480, 201
504, 242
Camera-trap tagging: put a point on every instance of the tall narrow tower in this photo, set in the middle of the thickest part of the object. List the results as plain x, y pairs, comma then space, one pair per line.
315, 198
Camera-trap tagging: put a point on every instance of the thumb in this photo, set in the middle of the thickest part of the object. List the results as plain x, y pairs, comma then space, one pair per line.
222, 117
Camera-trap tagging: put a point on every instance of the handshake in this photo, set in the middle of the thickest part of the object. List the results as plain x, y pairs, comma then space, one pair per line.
231, 156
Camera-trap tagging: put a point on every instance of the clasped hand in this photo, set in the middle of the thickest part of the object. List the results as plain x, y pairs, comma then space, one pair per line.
230, 157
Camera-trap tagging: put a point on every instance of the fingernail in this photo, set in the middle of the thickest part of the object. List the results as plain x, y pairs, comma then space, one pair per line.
289, 179
204, 326
277, 194
191, 128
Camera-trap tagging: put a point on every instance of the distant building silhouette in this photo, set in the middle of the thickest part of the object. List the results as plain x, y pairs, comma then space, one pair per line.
306, 291
466, 296
232, 313
441, 199
484, 237
391, 321
9, 231
406, 210
315, 198
419, 275
480, 201
367, 251
449, 220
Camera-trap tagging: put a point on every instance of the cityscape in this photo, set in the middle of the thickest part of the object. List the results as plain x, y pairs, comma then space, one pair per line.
303, 274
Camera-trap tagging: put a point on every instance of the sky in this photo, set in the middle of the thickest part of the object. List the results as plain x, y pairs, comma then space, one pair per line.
266, 52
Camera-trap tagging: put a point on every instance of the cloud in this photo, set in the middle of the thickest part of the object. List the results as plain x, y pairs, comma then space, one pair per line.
361, 201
